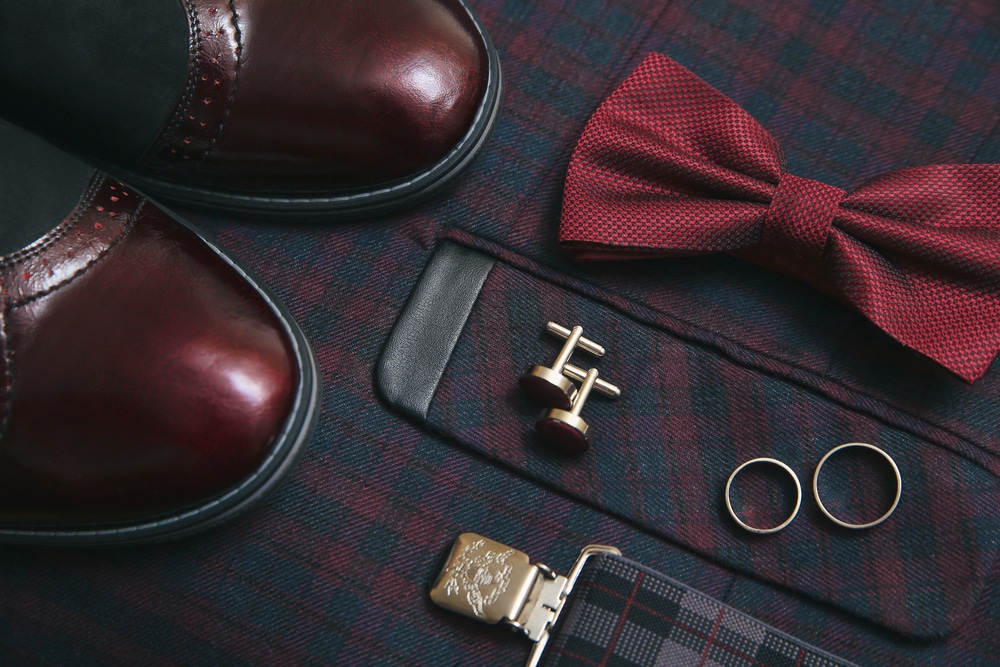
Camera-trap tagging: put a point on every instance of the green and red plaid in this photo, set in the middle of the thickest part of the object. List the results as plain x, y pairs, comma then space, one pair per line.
334, 568
622, 614
690, 413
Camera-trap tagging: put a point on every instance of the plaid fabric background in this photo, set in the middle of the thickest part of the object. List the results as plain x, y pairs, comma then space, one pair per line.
334, 567
622, 614
687, 418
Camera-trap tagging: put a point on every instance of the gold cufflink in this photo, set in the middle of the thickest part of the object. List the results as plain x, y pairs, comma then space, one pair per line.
548, 385
565, 429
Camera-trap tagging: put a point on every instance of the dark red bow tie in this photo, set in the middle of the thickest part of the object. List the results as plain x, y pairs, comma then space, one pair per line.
668, 166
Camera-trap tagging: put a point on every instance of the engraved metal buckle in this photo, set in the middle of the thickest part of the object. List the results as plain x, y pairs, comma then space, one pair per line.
493, 583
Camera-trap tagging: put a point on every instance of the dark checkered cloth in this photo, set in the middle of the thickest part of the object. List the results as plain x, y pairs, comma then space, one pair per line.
625, 615
724, 362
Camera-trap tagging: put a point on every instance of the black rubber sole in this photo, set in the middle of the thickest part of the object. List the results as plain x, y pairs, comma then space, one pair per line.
290, 445
347, 204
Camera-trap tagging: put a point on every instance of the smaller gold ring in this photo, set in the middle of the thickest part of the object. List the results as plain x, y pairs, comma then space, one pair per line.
857, 526
798, 496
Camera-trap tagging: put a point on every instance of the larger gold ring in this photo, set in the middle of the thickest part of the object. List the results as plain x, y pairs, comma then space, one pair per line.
857, 526
798, 496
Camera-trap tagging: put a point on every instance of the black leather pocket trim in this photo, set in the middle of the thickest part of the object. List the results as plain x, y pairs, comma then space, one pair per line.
421, 342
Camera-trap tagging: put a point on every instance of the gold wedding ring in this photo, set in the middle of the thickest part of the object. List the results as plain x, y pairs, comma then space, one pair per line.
798, 496
857, 526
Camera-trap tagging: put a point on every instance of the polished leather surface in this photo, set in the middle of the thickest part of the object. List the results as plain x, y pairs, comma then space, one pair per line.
318, 95
423, 338
141, 373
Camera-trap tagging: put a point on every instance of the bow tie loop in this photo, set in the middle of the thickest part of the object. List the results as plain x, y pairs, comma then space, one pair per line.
798, 223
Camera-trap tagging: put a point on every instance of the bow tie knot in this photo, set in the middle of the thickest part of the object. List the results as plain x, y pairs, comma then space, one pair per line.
798, 223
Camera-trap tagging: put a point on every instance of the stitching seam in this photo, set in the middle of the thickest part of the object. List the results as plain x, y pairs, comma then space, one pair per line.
236, 79
124, 232
61, 230
162, 142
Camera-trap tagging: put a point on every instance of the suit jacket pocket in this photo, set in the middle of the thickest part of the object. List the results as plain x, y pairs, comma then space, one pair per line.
692, 411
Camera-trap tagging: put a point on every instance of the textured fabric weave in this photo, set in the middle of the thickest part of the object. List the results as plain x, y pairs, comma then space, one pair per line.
670, 166
687, 417
624, 615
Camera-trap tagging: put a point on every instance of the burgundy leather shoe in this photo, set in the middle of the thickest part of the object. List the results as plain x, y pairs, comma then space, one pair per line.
309, 107
148, 387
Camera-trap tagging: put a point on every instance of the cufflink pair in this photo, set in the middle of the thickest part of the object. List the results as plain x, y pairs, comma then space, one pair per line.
552, 386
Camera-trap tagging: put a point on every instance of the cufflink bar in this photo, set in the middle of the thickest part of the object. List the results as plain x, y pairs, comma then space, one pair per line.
584, 344
600, 386
493, 583
547, 385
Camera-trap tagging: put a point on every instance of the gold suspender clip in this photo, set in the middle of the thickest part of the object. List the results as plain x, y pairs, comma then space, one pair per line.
494, 583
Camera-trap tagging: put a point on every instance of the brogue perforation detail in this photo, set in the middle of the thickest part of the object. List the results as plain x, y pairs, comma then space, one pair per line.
105, 211
103, 217
215, 46
187, 94
54, 236
236, 76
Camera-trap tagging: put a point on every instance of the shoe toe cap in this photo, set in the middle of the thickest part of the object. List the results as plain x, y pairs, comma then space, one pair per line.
348, 95
156, 380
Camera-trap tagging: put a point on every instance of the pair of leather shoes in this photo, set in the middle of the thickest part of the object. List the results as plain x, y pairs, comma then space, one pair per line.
149, 387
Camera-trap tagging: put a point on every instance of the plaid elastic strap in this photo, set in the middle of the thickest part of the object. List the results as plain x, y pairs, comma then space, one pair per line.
622, 614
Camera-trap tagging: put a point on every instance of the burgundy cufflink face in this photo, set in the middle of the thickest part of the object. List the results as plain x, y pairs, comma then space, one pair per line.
565, 429
561, 426
549, 385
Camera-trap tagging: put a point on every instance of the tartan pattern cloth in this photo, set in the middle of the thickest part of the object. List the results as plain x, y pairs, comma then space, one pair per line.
624, 615
661, 454
334, 567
